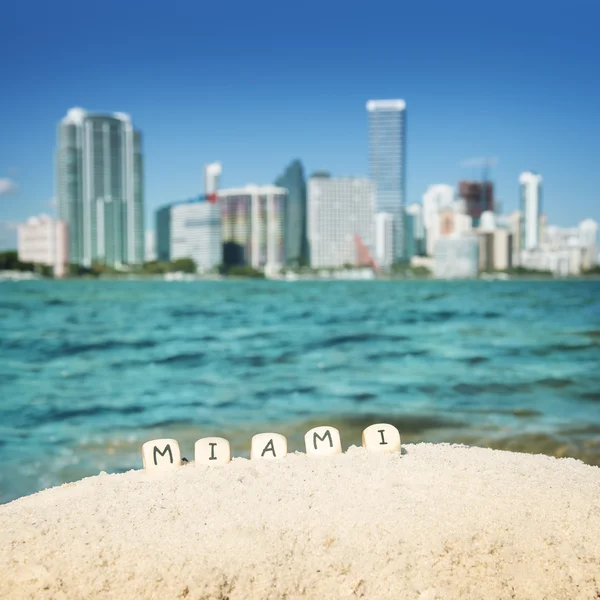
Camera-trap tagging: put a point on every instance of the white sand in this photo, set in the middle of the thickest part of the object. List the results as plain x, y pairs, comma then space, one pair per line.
437, 522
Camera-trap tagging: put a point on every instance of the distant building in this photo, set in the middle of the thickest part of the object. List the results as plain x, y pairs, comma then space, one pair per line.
100, 188
588, 233
150, 246
565, 250
515, 225
44, 241
416, 230
449, 223
253, 226
163, 233
456, 257
387, 163
436, 198
478, 197
340, 212
487, 222
212, 178
296, 245
562, 261
543, 229
409, 235
196, 233
190, 229
531, 207
495, 250
384, 239
495, 244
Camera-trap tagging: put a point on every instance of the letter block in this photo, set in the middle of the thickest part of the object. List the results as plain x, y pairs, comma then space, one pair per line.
323, 441
212, 451
381, 438
161, 455
269, 446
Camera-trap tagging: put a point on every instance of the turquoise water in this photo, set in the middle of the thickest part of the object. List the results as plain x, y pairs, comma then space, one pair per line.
89, 370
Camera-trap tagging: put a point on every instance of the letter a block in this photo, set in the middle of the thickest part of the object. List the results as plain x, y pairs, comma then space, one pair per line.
323, 441
161, 455
268, 445
212, 451
381, 438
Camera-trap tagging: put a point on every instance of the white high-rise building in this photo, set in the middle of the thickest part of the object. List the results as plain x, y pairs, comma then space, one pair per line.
437, 198
341, 213
196, 233
515, 225
100, 187
44, 241
384, 239
212, 178
150, 246
387, 163
588, 238
531, 207
588, 233
253, 224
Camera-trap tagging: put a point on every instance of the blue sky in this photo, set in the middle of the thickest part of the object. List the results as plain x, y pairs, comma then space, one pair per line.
257, 84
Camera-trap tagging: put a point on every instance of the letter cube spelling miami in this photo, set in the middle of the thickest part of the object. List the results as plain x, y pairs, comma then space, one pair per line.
164, 454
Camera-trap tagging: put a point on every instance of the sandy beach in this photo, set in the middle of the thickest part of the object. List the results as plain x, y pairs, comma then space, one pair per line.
438, 521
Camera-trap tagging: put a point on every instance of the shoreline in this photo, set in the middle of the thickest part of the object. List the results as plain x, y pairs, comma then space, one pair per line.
437, 521
19, 276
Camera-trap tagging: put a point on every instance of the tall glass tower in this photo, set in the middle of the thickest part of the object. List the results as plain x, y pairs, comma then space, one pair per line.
100, 188
387, 164
531, 208
296, 246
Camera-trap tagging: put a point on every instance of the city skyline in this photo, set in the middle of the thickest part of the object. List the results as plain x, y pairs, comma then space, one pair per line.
100, 197
519, 93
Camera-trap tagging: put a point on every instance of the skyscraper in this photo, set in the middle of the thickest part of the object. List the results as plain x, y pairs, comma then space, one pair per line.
100, 188
387, 163
478, 197
252, 226
212, 178
340, 219
292, 179
531, 207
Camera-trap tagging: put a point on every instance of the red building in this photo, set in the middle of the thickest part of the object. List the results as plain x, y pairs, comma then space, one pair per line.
478, 196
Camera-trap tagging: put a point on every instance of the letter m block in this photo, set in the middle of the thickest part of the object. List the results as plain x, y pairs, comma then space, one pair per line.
323, 441
160, 455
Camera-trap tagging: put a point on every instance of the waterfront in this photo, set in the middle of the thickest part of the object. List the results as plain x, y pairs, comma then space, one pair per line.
90, 370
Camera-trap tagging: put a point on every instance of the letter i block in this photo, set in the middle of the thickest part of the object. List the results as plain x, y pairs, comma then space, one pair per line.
323, 441
269, 446
212, 451
381, 438
161, 455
